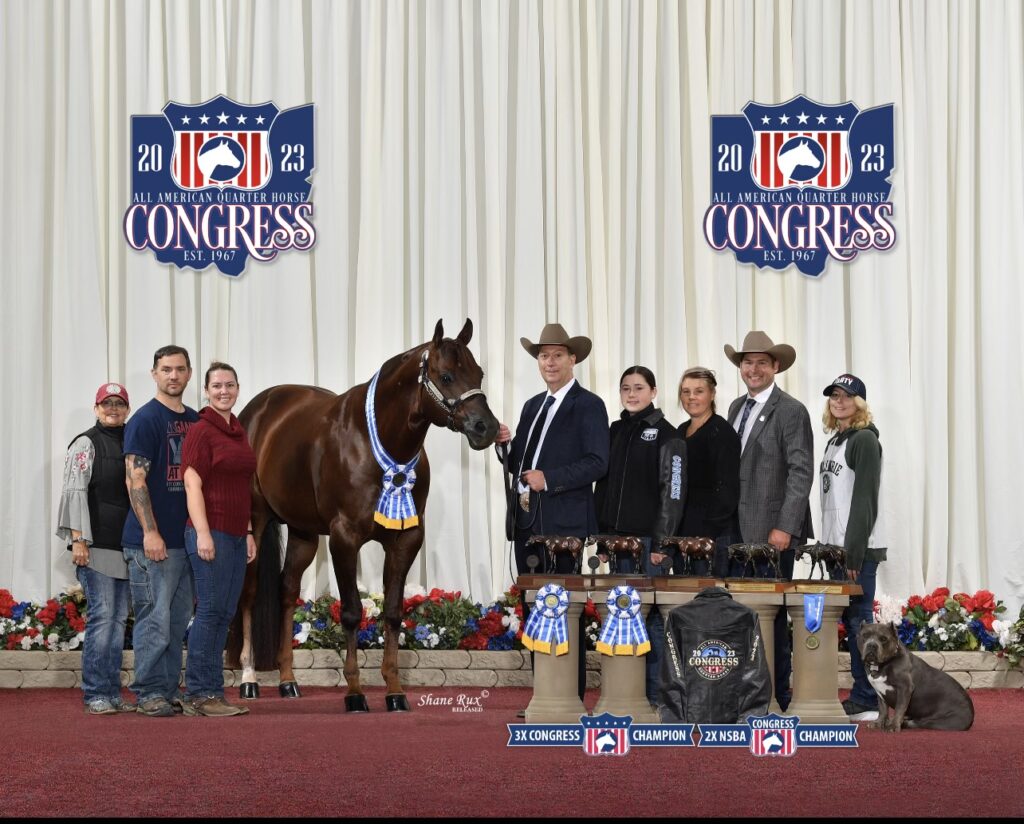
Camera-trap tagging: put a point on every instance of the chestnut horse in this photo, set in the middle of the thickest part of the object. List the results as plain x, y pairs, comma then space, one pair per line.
316, 472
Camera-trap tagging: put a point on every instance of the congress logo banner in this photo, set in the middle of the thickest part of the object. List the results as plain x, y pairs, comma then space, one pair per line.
220, 182
797, 183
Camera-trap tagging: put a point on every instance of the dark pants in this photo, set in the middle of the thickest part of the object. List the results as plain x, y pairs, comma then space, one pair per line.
860, 611
564, 564
783, 643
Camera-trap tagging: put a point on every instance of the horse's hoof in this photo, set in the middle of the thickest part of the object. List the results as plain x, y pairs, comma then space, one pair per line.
289, 689
356, 703
249, 690
397, 702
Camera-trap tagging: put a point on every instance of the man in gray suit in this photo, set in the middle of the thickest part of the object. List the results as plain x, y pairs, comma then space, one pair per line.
776, 470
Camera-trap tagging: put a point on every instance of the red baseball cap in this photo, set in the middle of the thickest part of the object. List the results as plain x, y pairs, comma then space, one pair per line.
111, 390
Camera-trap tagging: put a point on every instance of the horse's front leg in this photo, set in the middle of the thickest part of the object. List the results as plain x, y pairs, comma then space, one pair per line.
345, 545
399, 554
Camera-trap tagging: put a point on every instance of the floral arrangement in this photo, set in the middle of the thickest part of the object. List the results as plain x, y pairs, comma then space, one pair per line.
59, 624
446, 620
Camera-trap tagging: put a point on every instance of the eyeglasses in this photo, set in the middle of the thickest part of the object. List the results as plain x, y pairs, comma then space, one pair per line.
113, 403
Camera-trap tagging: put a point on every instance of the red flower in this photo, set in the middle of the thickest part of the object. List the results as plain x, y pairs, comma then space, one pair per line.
513, 592
842, 630
14, 641
336, 612
590, 612
409, 604
942, 592
475, 641
77, 623
933, 603
6, 603
984, 600
490, 624
986, 620
70, 610
965, 601
32, 632
914, 601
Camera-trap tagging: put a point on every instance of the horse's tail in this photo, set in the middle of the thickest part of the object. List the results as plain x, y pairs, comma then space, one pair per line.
266, 607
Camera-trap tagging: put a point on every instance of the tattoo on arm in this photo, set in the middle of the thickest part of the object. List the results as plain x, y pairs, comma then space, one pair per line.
136, 469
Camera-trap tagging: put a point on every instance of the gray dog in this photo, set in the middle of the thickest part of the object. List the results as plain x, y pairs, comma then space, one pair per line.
921, 695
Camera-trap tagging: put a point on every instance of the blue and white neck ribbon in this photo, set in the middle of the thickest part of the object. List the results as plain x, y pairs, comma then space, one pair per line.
624, 632
395, 508
814, 608
547, 628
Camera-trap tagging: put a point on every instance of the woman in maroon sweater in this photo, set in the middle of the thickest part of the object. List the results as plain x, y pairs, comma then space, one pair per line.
218, 464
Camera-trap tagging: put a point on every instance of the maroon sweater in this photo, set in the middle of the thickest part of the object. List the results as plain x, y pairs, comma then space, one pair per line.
220, 454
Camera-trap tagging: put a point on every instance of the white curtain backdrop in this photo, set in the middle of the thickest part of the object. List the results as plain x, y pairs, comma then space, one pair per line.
519, 162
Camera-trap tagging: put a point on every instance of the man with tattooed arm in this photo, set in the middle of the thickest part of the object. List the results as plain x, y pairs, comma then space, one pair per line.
154, 534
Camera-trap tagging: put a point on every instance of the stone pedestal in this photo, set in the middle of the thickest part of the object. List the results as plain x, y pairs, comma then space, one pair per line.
556, 698
624, 677
816, 655
766, 598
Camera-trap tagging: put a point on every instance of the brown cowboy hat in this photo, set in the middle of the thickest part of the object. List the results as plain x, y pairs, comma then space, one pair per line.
555, 335
758, 341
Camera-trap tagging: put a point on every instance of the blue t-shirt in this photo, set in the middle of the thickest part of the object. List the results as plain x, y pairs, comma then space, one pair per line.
157, 433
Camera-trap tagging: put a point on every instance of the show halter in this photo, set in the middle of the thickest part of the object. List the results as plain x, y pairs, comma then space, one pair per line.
449, 405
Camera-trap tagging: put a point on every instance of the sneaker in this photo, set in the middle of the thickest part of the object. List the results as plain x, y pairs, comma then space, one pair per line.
859, 712
100, 706
177, 704
158, 707
121, 705
213, 706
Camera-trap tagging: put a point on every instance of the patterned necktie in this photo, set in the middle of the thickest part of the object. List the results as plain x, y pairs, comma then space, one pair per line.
538, 427
746, 414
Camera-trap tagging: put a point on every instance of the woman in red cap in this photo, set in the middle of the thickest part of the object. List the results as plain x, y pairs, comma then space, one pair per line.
93, 507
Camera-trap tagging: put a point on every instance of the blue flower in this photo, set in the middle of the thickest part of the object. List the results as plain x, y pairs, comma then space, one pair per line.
320, 624
472, 626
296, 628
367, 636
422, 633
499, 643
906, 632
18, 610
985, 638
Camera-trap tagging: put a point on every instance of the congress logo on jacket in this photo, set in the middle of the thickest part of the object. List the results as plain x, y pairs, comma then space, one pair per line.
796, 183
220, 182
713, 660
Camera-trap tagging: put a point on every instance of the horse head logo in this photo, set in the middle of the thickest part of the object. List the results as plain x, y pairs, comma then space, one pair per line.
801, 154
221, 154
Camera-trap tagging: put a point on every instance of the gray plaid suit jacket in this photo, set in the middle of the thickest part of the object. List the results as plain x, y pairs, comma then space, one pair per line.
776, 470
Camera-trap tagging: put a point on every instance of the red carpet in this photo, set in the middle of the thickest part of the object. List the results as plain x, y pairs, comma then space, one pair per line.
306, 757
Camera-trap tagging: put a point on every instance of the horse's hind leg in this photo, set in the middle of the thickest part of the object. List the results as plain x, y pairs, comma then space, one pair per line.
398, 557
344, 553
299, 555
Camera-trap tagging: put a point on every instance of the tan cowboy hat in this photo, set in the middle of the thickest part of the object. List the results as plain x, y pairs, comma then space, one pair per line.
758, 341
555, 335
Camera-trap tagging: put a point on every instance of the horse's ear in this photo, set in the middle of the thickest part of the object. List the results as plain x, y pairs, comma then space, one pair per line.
438, 332
466, 334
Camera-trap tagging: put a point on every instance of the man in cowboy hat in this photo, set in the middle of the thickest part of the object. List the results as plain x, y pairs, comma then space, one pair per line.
559, 451
776, 469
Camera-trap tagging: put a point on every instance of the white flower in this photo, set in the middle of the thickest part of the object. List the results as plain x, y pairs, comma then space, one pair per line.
75, 642
433, 640
53, 641
412, 590
1005, 631
513, 623
505, 620
303, 632
401, 639
890, 610
375, 612
443, 630
26, 643
368, 605
942, 634
933, 622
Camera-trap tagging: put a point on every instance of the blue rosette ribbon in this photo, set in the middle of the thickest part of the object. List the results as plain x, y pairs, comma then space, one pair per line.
623, 632
396, 508
547, 628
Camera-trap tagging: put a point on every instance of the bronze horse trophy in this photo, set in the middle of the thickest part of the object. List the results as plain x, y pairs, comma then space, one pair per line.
319, 472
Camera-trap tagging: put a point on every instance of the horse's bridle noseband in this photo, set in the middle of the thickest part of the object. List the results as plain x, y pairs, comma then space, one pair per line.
449, 405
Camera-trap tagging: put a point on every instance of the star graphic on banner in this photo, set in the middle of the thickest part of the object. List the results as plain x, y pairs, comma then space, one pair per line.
821, 118
204, 119
801, 118
259, 120
241, 118
840, 119
784, 119
185, 120
766, 120
222, 118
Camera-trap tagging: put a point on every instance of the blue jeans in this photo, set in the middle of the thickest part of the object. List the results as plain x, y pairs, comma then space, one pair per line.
218, 586
106, 616
162, 599
861, 611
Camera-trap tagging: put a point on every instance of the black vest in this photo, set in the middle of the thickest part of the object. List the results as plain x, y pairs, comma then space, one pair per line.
108, 494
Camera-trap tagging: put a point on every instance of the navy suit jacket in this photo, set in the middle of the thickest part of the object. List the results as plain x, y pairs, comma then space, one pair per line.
573, 457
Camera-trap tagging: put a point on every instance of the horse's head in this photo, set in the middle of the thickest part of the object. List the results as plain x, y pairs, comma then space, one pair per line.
451, 377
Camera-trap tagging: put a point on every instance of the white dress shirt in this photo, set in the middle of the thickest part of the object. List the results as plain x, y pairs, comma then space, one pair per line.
760, 399
559, 396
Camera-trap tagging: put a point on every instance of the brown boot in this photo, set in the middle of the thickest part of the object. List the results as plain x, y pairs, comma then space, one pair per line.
214, 707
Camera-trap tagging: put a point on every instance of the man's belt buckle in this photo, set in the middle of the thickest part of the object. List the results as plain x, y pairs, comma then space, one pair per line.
524, 501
